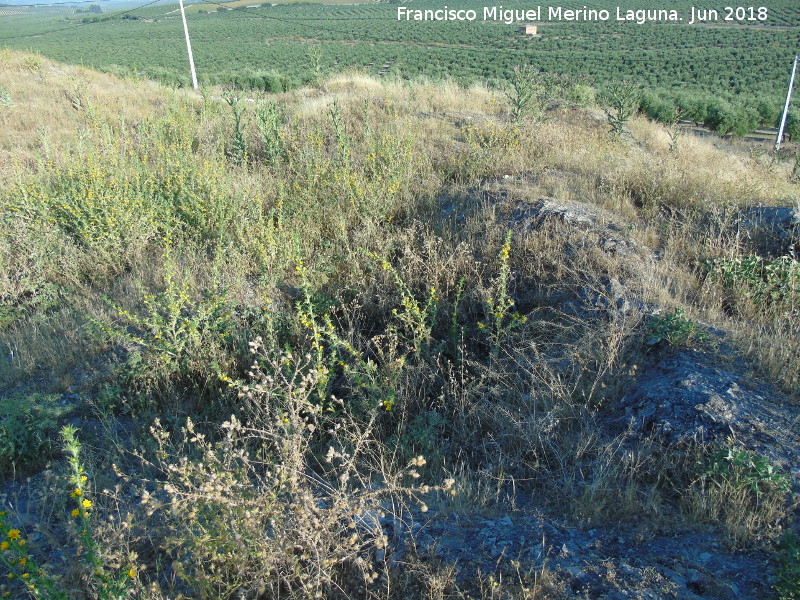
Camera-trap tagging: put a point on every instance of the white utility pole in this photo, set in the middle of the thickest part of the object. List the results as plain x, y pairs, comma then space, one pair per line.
189, 46
786, 106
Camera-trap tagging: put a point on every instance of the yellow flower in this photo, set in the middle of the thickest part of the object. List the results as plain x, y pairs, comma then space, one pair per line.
25, 575
75, 512
4, 545
23, 561
76, 493
21, 542
13, 534
131, 572
86, 503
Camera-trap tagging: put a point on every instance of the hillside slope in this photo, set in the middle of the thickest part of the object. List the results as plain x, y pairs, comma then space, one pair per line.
373, 340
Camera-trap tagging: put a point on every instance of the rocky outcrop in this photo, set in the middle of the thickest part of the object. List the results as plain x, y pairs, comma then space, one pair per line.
689, 395
774, 230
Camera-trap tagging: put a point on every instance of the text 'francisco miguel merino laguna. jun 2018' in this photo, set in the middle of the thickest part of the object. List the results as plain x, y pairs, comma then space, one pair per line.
499, 14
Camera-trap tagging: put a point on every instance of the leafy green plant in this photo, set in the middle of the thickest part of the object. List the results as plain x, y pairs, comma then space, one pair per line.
23, 573
417, 318
745, 470
27, 425
340, 133
270, 120
237, 147
757, 279
26, 575
110, 582
529, 90
177, 336
675, 329
457, 330
740, 490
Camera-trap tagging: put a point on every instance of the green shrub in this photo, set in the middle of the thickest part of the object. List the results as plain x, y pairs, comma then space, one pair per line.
674, 328
759, 280
28, 423
745, 470
177, 337
107, 579
742, 491
620, 102
529, 91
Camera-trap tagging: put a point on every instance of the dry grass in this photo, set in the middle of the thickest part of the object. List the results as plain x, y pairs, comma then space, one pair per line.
337, 251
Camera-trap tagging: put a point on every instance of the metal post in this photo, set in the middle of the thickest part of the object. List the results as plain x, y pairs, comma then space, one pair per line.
786, 106
188, 46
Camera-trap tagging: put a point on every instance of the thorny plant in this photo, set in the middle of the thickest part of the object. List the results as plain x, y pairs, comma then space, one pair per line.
26, 575
267, 510
501, 316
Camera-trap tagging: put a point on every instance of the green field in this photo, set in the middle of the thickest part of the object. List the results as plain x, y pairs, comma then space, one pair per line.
245, 44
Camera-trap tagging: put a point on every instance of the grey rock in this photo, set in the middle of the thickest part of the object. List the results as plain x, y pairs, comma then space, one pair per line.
774, 229
688, 396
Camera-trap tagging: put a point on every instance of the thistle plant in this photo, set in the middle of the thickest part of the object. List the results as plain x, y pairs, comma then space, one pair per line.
111, 583
620, 102
319, 327
418, 318
501, 316
270, 120
237, 148
22, 572
342, 138
25, 575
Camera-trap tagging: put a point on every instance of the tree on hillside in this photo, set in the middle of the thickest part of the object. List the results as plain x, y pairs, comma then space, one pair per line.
620, 101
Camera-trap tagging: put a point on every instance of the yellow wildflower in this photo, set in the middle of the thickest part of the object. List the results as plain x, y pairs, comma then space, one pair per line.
13, 534
86, 503
75, 512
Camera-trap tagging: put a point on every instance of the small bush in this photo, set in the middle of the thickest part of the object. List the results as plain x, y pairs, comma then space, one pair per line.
176, 338
742, 491
27, 426
278, 507
675, 329
620, 102
758, 280
102, 578
5, 97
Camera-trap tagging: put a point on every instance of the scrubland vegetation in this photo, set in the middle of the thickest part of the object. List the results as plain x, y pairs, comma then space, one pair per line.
275, 322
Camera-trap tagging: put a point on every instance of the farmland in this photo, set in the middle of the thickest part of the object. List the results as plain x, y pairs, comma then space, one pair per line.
281, 46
